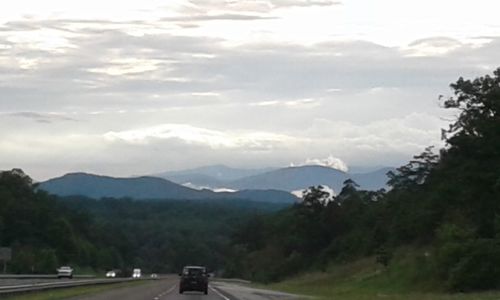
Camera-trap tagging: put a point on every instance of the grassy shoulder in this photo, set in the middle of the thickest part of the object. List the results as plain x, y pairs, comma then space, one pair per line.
66, 293
405, 278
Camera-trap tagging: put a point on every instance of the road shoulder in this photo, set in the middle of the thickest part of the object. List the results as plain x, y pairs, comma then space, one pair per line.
243, 292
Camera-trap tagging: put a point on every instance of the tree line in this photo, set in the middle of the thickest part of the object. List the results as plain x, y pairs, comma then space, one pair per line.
447, 201
45, 231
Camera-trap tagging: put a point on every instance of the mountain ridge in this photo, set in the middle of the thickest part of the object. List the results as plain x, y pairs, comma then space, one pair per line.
290, 179
271, 185
147, 187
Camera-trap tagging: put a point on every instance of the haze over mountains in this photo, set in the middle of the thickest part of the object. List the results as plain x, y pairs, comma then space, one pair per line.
265, 185
287, 179
215, 172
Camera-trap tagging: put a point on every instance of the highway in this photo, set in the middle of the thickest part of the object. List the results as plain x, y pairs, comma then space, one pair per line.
167, 289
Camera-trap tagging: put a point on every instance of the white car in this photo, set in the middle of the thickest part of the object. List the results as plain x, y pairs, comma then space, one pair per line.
111, 274
136, 273
65, 271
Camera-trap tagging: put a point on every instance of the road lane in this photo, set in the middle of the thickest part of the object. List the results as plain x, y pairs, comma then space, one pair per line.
162, 289
168, 289
233, 291
193, 296
153, 289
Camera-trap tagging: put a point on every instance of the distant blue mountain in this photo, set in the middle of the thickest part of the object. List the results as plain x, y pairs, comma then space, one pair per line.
215, 173
286, 179
293, 178
267, 185
97, 187
374, 180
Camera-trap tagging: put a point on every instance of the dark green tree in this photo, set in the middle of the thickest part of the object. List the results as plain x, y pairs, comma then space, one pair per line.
471, 161
413, 174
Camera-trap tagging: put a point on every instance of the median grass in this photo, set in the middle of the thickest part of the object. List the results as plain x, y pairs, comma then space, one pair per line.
406, 278
65, 293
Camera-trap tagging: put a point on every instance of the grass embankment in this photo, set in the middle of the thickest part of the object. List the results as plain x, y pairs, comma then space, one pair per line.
406, 278
66, 293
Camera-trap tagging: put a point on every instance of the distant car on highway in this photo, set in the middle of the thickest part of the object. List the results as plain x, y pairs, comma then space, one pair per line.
113, 273
154, 276
110, 274
194, 278
65, 272
136, 273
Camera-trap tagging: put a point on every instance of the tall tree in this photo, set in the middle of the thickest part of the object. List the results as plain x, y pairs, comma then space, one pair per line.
471, 163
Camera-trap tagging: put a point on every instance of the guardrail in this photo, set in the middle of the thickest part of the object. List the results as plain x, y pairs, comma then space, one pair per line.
23, 288
39, 276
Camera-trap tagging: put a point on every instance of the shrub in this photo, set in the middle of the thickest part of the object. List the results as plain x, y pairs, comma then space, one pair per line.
478, 268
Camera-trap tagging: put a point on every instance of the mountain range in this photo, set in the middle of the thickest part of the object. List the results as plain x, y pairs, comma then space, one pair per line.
148, 188
265, 185
287, 179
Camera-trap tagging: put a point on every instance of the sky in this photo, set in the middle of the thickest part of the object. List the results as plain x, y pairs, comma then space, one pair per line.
128, 87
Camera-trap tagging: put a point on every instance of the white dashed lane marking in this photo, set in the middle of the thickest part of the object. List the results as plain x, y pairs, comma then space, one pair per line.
219, 293
165, 293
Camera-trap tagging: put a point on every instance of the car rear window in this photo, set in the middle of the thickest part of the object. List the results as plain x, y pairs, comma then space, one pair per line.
194, 272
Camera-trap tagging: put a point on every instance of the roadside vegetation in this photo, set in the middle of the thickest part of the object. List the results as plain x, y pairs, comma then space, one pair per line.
364, 279
446, 201
66, 293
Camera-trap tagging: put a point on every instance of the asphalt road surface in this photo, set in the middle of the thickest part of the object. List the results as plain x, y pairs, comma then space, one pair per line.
168, 289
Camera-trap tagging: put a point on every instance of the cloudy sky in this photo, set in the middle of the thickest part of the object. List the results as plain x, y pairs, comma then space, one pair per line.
137, 87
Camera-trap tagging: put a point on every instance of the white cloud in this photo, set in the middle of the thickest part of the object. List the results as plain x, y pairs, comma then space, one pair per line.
331, 193
120, 67
265, 103
224, 190
215, 189
433, 46
289, 3
201, 136
299, 103
206, 94
330, 162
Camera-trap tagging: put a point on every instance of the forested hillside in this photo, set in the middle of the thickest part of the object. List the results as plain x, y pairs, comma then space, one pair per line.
158, 236
446, 201
41, 232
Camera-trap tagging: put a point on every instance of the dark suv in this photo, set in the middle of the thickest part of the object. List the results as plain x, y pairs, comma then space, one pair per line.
194, 278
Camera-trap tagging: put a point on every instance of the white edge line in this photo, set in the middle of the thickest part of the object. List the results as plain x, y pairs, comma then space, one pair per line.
219, 293
171, 289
